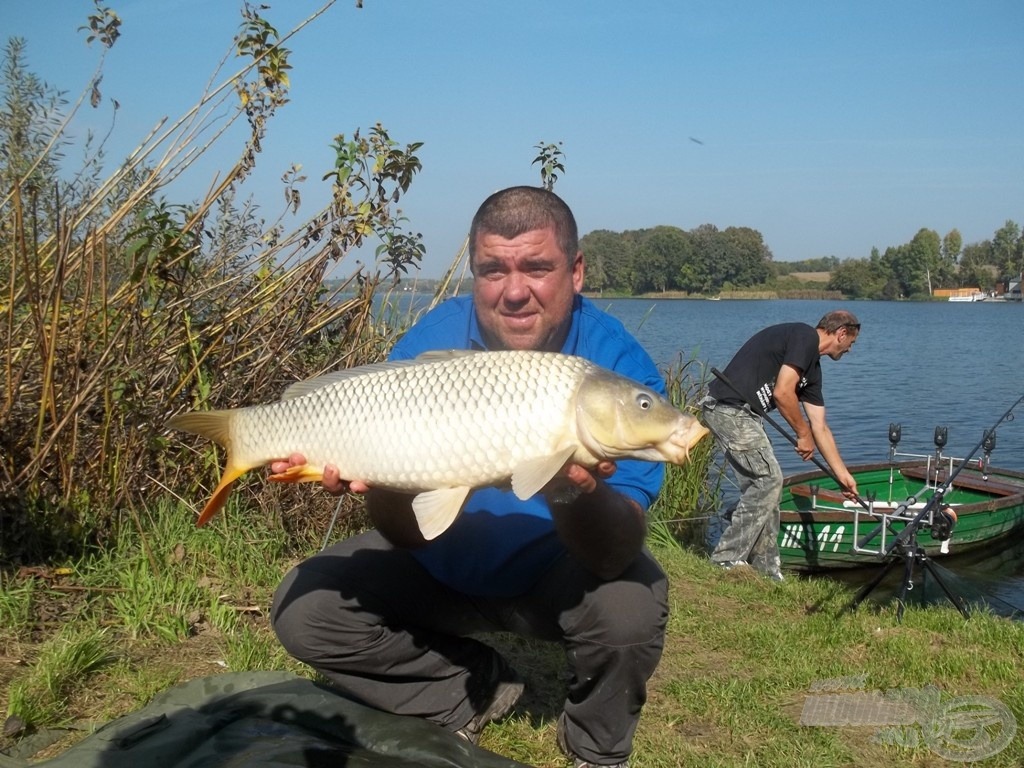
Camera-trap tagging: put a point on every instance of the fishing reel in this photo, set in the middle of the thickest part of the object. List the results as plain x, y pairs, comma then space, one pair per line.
988, 444
943, 522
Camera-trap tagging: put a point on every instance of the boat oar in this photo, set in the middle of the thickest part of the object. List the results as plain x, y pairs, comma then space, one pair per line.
821, 465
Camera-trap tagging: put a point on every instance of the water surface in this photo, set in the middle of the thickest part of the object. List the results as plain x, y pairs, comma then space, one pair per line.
922, 365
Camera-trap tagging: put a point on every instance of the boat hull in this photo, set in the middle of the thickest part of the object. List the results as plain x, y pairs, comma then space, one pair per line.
817, 530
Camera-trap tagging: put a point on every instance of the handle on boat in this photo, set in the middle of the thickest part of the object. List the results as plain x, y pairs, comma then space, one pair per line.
821, 465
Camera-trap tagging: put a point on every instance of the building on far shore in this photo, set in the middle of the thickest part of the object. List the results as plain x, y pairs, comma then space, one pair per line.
961, 294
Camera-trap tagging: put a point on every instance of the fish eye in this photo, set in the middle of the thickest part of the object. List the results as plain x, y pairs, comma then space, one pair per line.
644, 401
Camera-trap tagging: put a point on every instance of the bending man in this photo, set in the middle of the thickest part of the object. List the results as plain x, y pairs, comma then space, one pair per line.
778, 367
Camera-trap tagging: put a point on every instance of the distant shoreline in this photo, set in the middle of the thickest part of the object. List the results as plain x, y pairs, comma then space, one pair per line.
815, 295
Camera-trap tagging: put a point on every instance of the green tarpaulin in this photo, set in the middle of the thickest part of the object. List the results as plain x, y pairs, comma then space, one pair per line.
264, 719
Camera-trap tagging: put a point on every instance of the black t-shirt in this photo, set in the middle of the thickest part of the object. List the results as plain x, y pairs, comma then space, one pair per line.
754, 368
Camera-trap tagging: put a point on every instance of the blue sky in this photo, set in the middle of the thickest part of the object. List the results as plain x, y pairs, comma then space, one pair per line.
829, 127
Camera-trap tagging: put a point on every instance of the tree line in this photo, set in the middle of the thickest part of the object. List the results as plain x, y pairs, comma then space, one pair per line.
707, 260
928, 262
665, 258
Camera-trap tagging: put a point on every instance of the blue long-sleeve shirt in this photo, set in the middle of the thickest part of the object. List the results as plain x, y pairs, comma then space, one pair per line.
500, 545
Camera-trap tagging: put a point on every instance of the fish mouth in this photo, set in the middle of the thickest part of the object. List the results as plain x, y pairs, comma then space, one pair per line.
676, 449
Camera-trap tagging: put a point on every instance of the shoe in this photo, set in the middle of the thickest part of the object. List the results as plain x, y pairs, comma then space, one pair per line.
578, 762
773, 575
728, 565
507, 692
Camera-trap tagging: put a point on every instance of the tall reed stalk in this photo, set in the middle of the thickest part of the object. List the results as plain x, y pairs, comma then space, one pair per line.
691, 495
120, 308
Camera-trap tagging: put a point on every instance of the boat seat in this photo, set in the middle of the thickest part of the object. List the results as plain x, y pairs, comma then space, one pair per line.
824, 494
972, 481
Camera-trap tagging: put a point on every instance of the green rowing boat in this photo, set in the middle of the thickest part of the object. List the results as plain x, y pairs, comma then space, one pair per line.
821, 530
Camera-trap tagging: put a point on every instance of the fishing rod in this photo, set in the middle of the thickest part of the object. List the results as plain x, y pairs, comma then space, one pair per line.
906, 539
821, 465
940, 491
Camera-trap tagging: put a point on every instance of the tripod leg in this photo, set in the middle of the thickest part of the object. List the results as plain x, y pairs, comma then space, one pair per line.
954, 599
866, 590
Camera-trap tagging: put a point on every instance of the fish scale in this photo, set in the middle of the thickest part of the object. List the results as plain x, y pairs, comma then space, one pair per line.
448, 422
515, 412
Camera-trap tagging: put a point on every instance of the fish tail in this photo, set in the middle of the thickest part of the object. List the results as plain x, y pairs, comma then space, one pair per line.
215, 425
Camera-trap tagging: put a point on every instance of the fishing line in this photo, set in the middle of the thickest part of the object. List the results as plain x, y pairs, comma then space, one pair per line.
330, 528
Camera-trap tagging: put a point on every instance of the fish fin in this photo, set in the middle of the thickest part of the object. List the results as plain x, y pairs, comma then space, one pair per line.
532, 475
221, 493
436, 510
213, 425
303, 473
216, 426
300, 388
434, 355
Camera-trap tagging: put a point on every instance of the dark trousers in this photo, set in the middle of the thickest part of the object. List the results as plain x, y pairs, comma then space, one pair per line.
370, 618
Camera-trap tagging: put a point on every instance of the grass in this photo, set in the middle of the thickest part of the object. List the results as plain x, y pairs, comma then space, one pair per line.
72, 656
103, 636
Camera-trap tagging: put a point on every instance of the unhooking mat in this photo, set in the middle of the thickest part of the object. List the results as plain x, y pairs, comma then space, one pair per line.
267, 720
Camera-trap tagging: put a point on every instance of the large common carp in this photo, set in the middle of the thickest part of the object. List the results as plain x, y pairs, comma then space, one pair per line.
447, 422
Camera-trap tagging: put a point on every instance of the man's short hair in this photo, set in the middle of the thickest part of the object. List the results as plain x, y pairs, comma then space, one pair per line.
837, 319
510, 212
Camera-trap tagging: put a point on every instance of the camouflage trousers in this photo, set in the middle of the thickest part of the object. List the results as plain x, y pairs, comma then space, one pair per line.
752, 532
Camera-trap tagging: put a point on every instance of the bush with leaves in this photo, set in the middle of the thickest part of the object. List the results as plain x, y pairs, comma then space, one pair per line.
122, 307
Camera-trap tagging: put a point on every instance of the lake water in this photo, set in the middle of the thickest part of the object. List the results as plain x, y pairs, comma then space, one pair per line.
923, 365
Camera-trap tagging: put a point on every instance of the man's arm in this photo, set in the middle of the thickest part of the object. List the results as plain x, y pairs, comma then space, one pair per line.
826, 442
786, 401
602, 528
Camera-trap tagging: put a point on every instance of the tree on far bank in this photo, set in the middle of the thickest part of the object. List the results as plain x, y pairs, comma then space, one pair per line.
952, 244
1008, 249
925, 249
657, 250
976, 265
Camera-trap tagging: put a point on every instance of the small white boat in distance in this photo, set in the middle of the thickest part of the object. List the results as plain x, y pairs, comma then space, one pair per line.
979, 296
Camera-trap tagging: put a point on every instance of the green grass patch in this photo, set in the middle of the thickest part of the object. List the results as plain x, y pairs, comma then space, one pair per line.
742, 657
65, 663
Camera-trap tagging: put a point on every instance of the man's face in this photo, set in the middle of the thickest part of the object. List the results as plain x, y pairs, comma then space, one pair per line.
523, 289
845, 339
